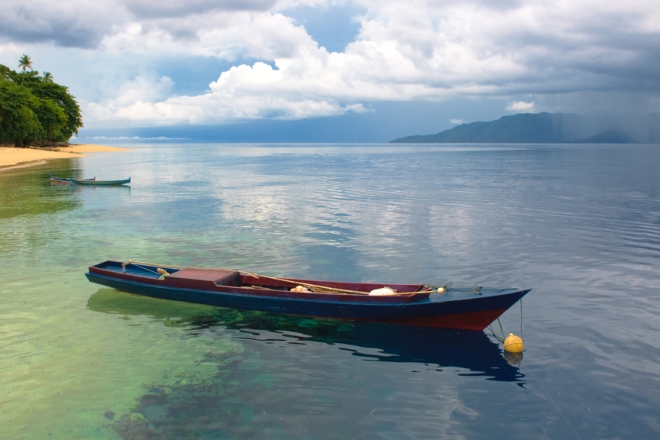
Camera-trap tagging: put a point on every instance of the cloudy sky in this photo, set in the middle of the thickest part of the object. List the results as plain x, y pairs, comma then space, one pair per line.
328, 68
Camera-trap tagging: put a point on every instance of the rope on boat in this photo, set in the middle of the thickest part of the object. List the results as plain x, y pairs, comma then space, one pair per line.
476, 289
442, 289
501, 339
521, 319
492, 333
159, 271
138, 263
313, 287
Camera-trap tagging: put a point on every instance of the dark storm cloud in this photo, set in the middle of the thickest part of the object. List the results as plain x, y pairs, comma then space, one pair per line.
146, 9
602, 52
68, 26
64, 35
84, 24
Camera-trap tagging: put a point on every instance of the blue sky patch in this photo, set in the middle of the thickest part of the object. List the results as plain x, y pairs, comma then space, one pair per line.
331, 27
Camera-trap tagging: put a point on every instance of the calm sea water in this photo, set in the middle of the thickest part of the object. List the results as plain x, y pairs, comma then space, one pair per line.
579, 224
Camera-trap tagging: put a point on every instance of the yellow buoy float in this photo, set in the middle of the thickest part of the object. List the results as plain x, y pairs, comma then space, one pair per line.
514, 344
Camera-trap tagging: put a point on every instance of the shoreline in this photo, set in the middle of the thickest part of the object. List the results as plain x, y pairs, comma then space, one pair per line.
12, 158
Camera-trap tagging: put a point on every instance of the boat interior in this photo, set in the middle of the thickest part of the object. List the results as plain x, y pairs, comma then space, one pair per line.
233, 278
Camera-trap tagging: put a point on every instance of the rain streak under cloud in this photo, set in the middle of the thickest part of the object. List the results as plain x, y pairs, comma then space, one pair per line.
214, 62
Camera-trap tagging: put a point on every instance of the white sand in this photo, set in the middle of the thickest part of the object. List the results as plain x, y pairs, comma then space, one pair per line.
11, 158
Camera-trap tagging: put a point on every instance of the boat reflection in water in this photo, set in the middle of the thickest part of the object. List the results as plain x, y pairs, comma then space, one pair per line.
469, 350
235, 399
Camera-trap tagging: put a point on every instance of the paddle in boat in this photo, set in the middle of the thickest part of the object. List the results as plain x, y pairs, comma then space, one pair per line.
100, 182
410, 304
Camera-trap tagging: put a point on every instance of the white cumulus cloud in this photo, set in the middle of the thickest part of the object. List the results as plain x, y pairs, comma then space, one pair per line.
520, 106
408, 50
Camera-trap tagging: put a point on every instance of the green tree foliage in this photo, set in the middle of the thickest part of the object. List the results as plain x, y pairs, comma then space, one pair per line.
35, 110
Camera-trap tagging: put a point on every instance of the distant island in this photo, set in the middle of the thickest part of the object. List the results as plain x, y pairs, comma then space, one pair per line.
550, 128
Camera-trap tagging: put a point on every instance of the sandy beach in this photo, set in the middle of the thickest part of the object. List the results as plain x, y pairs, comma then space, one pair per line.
11, 158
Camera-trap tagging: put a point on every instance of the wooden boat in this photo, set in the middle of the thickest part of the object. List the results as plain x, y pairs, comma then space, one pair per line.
56, 179
413, 304
100, 182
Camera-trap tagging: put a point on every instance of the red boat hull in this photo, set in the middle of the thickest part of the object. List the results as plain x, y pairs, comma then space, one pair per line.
460, 321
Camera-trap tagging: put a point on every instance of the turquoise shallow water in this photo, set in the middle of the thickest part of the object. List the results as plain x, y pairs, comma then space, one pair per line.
579, 224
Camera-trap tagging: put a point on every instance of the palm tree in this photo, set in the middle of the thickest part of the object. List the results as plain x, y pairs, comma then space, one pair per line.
47, 78
26, 63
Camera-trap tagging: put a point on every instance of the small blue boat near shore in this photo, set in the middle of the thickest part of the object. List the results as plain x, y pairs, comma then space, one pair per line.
64, 180
92, 181
100, 182
409, 304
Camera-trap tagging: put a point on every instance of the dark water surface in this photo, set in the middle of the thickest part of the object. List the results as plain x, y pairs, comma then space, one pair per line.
579, 224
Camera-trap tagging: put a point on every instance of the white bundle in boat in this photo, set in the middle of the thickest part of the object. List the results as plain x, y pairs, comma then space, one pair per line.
382, 291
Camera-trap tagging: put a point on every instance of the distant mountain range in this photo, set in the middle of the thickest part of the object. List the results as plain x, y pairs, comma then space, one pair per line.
550, 128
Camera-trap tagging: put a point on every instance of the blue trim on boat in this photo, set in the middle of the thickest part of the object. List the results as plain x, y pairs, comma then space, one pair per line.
410, 307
